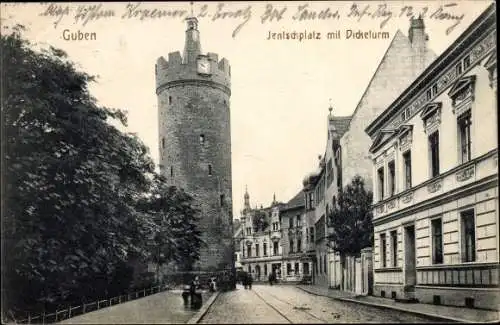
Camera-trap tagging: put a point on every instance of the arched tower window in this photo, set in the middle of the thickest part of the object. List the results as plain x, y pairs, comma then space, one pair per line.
209, 169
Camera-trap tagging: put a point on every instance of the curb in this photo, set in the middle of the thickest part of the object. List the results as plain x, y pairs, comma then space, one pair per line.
199, 314
418, 313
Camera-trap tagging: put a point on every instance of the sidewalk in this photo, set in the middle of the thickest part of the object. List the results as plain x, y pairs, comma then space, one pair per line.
166, 307
447, 313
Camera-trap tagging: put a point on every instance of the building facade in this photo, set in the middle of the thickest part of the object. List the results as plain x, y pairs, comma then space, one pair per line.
435, 169
195, 142
298, 249
261, 244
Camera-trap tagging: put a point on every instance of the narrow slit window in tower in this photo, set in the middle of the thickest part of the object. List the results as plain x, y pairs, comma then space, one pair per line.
222, 200
171, 171
163, 143
202, 139
209, 169
169, 100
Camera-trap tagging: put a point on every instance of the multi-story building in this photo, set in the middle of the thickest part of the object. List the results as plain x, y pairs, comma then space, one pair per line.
261, 245
298, 250
435, 165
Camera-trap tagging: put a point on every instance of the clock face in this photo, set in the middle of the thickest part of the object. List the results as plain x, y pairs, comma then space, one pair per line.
204, 66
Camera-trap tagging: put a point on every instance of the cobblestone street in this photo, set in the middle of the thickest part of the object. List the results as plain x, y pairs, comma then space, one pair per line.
288, 304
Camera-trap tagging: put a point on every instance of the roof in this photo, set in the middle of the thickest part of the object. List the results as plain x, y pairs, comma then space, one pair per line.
479, 27
296, 202
340, 123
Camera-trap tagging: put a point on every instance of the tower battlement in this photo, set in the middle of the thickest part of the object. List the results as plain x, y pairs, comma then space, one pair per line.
174, 70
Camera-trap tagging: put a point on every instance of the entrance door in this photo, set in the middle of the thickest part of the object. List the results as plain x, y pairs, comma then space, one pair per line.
410, 261
257, 272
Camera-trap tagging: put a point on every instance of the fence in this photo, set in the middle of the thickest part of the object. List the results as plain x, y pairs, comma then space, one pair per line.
84, 308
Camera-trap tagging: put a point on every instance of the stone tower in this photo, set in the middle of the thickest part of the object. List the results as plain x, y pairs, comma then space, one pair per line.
195, 140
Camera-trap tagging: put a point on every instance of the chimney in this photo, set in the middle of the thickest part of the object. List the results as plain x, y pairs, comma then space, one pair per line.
418, 39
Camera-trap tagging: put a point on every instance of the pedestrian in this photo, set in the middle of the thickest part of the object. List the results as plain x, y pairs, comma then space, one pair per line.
250, 280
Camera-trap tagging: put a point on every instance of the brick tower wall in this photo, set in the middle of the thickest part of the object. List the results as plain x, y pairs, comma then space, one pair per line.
192, 106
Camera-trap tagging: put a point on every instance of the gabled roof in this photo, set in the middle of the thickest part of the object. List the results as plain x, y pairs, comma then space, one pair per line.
381, 138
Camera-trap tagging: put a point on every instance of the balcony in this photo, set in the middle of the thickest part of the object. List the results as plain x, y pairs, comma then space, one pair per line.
465, 175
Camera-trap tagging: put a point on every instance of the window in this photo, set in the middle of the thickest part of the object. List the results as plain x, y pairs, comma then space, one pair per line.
288, 268
298, 221
428, 94
163, 143
311, 200
434, 153
171, 171
392, 177
394, 248
299, 245
290, 222
383, 253
380, 177
464, 124
458, 68
320, 264
257, 250
209, 170
466, 62
311, 234
275, 248
291, 246
249, 231
202, 139
169, 100
307, 235
249, 251
264, 247
222, 200
468, 236
296, 268
325, 268
437, 241
407, 169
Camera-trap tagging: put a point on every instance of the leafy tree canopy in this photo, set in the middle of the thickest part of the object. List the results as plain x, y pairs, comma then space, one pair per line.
351, 219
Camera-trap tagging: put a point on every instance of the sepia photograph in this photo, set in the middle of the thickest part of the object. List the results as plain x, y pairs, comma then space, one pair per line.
248, 162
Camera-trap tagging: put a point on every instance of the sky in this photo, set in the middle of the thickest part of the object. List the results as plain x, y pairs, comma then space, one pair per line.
281, 89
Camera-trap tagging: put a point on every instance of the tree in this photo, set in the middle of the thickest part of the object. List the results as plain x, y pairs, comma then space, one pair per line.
175, 236
351, 220
71, 182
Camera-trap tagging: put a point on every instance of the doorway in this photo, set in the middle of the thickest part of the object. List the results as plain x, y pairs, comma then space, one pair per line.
410, 261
